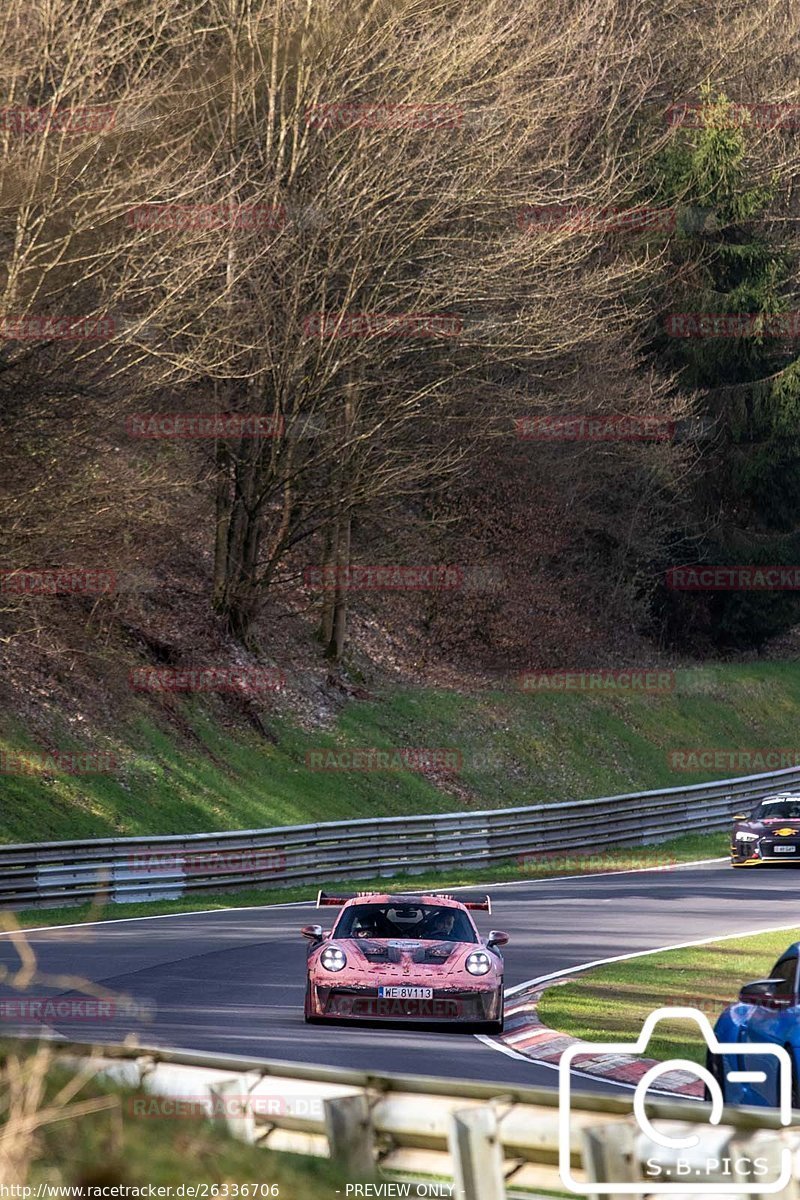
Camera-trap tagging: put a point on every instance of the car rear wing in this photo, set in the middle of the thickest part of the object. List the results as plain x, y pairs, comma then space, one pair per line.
337, 901
483, 903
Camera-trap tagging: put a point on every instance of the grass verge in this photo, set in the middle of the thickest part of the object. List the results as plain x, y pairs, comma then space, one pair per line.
88, 1135
192, 772
610, 1003
666, 854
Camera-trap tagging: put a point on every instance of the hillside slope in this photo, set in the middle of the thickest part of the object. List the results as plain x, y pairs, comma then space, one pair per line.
188, 767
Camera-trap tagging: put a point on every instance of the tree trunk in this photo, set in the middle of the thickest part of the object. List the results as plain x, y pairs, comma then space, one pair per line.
342, 532
223, 506
326, 603
240, 603
339, 607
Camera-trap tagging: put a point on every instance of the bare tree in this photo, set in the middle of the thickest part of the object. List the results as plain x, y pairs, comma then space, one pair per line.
277, 171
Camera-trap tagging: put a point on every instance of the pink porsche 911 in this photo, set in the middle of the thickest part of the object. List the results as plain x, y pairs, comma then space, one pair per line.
403, 957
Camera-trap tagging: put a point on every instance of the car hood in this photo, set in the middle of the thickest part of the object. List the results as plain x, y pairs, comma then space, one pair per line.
784, 826
396, 956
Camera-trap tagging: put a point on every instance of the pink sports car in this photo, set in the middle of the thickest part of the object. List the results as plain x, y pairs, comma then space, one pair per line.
402, 957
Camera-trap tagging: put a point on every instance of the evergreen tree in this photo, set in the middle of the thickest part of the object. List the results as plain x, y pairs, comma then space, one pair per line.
725, 260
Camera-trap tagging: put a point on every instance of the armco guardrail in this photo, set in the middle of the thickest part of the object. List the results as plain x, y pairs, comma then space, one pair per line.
492, 1140
151, 868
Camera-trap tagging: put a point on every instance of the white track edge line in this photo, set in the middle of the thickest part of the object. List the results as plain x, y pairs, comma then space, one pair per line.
599, 962
538, 1062
461, 887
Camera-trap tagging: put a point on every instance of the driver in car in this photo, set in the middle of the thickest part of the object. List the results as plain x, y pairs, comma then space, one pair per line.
365, 927
441, 926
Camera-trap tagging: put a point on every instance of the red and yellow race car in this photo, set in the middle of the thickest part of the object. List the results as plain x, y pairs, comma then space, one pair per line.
404, 957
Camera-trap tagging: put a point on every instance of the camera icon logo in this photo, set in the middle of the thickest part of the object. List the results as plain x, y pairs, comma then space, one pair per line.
657, 1138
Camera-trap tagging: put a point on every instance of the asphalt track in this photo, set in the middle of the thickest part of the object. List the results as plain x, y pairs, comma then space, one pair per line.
232, 981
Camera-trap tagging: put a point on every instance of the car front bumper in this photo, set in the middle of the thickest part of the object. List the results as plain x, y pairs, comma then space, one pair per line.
766, 855
446, 1006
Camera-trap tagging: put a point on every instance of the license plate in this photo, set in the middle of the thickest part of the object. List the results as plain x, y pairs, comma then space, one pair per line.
405, 993
784, 849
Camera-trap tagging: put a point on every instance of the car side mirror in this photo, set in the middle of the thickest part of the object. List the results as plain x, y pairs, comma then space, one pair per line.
739, 817
763, 992
497, 938
314, 932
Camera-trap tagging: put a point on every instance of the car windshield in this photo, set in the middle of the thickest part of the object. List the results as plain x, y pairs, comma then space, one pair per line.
783, 810
413, 921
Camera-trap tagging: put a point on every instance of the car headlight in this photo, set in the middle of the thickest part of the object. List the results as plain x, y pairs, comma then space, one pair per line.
478, 963
742, 836
333, 959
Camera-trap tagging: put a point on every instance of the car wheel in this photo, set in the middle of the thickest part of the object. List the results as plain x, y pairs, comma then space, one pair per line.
717, 1070
795, 1080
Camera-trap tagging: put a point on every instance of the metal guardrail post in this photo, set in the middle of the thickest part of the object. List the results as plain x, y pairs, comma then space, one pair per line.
608, 1157
770, 1146
723, 1156
720, 1158
477, 1154
350, 1135
231, 1107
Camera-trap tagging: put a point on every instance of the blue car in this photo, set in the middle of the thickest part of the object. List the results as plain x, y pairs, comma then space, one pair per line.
768, 1012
